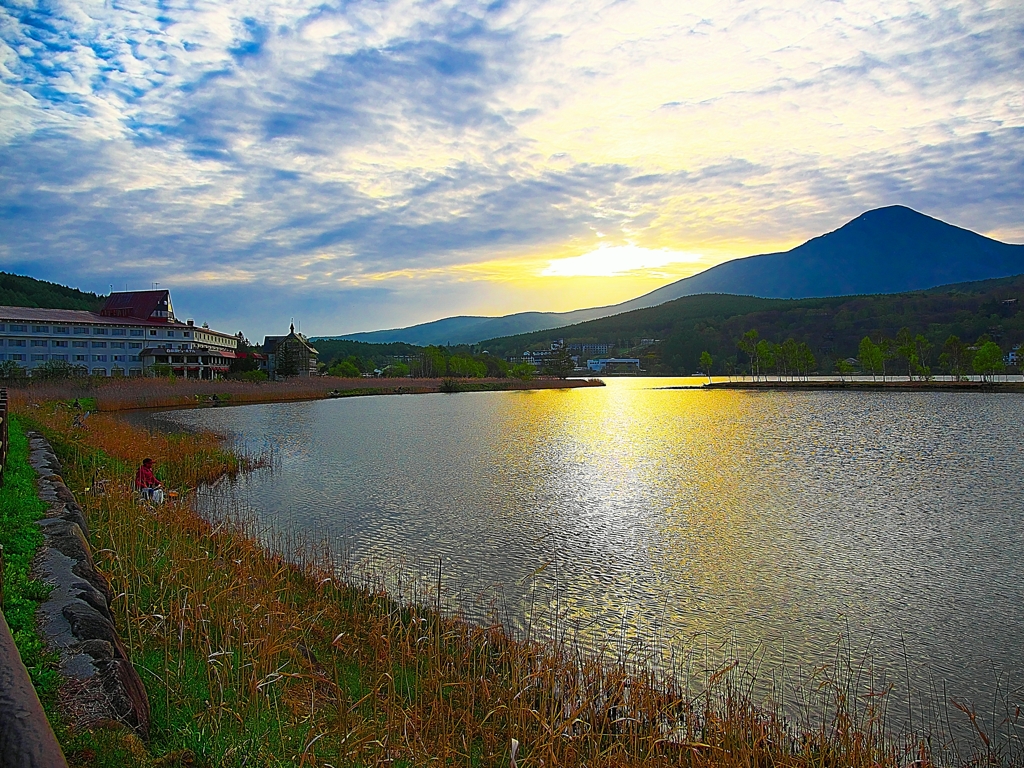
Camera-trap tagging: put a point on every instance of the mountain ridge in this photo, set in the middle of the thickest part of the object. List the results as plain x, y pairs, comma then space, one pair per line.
885, 250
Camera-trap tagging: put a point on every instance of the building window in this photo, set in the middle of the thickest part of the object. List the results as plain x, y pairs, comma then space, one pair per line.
133, 358
38, 342
58, 343
117, 344
134, 345
38, 357
3, 356
170, 334
152, 333
40, 329
79, 343
61, 329
17, 357
136, 332
99, 344
59, 357
99, 358
1, 326
117, 358
186, 334
117, 331
81, 330
99, 331
81, 358
99, 371
16, 342
19, 328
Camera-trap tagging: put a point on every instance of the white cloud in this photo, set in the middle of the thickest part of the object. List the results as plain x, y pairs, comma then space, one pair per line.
406, 135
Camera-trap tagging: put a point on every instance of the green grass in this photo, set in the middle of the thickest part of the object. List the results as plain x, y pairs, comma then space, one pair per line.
20, 507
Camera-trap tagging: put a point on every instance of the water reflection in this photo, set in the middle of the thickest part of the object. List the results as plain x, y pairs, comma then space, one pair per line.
777, 521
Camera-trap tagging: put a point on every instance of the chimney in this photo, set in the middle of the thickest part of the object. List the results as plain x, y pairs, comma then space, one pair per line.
191, 322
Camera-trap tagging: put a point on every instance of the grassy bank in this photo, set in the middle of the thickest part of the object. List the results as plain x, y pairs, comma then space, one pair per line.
126, 394
252, 660
20, 537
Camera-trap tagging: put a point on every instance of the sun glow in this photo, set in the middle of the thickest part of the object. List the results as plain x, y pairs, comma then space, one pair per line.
616, 260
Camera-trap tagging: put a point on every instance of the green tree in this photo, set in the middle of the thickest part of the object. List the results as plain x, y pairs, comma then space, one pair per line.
344, 369
286, 366
59, 369
805, 359
922, 350
844, 368
955, 358
10, 370
765, 356
522, 371
706, 362
870, 355
907, 349
748, 345
888, 348
560, 364
988, 360
789, 354
396, 371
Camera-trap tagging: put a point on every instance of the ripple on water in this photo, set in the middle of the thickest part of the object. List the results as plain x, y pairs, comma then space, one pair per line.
772, 520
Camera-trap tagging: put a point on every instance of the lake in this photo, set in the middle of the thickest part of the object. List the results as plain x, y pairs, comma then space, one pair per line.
775, 526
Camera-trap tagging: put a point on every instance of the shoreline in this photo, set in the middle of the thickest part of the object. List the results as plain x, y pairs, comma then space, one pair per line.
146, 394
873, 386
396, 682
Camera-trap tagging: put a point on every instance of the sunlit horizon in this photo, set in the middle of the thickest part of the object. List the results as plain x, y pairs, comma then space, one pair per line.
379, 165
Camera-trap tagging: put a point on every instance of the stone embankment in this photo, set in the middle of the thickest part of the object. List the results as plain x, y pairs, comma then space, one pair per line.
76, 620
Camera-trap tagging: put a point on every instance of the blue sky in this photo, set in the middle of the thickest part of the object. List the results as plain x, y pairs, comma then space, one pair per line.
360, 165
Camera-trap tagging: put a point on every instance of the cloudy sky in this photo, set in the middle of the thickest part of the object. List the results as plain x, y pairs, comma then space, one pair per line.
359, 164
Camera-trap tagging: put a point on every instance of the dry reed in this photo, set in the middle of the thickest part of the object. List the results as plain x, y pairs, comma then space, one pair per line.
118, 394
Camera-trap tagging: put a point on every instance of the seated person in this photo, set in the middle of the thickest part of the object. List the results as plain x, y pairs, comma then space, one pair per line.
147, 483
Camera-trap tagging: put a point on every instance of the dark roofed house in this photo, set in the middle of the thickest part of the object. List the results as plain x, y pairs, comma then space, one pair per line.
154, 306
290, 355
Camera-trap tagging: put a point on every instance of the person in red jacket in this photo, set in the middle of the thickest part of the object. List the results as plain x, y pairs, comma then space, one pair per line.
145, 480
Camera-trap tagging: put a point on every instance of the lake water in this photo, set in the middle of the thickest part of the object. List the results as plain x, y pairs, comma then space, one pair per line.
775, 525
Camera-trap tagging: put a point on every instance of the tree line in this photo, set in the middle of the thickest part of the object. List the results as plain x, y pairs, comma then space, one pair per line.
906, 353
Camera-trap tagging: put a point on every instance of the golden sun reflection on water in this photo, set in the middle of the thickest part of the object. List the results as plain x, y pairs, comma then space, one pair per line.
673, 468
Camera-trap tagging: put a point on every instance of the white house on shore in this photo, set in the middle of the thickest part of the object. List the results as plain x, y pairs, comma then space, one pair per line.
134, 331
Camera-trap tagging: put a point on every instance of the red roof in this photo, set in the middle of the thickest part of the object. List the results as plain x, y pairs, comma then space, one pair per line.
139, 305
74, 317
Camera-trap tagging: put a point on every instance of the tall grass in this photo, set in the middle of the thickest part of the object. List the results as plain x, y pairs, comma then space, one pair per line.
251, 658
118, 394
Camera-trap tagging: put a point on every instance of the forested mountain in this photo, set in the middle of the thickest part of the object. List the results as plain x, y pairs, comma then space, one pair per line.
833, 327
886, 250
21, 291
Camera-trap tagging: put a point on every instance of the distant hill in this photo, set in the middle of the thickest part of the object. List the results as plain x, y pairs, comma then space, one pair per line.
21, 291
832, 326
887, 250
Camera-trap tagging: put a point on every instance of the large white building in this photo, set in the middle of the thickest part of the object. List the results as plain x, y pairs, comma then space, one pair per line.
134, 331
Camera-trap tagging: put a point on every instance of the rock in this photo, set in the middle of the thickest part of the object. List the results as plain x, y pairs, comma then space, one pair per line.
126, 694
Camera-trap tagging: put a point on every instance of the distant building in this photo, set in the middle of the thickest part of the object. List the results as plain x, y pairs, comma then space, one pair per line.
290, 355
586, 350
132, 331
614, 365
